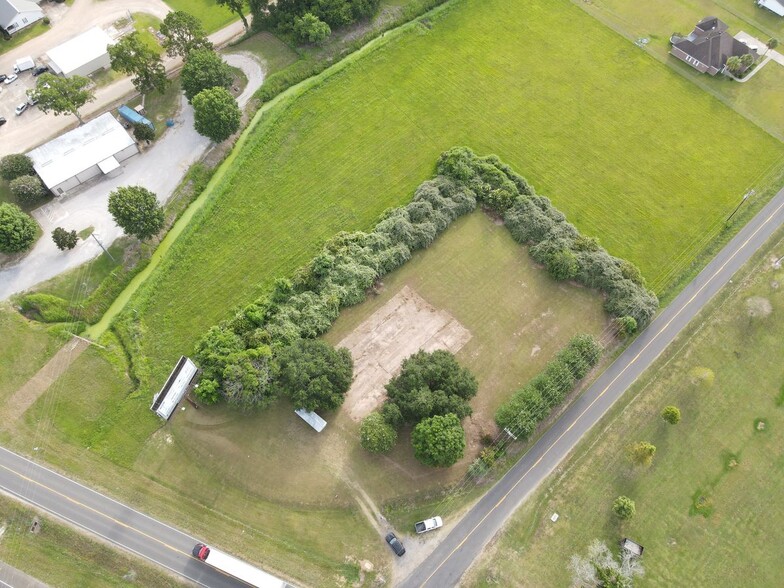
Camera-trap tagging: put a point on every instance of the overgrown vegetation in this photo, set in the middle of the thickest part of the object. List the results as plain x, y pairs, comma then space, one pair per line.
532, 404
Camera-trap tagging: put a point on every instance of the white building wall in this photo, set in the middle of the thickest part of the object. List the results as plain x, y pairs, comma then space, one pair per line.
129, 151
24, 19
63, 187
102, 62
88, 174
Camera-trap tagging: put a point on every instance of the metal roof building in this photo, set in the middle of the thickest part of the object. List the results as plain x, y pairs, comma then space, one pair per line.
81, 55
95, 148
176, 386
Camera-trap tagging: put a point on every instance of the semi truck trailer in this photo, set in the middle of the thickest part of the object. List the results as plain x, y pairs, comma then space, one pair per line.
236, 568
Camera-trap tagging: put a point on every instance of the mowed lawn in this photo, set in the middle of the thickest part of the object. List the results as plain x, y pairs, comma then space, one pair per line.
211, 15
619, 142
759, 98
725, 374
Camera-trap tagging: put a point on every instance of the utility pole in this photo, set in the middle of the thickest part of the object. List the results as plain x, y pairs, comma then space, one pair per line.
102, 247
745, 197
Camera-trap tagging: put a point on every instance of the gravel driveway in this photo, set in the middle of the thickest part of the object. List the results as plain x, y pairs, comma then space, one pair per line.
159, 169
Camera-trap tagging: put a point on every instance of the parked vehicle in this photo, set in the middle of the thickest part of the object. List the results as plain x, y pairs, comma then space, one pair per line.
10, 79
21, 108
39, 70
24, 64
3, 77
428, 525
236, 568
2, 121
396, 545
31, 101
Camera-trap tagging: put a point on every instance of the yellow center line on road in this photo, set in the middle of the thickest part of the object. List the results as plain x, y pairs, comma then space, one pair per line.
81, 504
599, 396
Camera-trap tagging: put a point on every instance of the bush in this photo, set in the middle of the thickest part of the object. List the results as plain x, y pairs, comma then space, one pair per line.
310, 29
46, 308
17, 229
439, 441
216, 114
27, 190
671, 415
136, 210
623, 507
15, 165
376, 434
64, 239
143, 132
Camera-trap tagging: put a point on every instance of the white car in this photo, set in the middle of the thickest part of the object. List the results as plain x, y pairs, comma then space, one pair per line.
21, 108
11, 79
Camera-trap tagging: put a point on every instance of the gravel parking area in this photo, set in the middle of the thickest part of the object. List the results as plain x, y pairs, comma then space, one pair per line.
13, 94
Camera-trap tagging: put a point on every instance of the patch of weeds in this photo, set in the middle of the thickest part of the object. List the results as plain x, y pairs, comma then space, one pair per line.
730, 460
350, 571
780, 399
701, 504
760, 425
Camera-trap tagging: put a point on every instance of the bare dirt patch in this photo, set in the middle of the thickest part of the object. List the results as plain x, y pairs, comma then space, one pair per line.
403, 326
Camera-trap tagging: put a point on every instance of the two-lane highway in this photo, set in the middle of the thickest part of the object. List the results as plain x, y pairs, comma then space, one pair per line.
456, 553
107, 518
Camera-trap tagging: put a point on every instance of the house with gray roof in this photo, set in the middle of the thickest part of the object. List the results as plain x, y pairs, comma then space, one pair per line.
708, 46
18, 14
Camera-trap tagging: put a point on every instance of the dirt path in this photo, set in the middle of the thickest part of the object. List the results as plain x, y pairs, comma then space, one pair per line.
40, 382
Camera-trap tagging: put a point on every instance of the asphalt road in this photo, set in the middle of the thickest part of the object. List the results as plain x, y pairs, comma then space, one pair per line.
456, 553
112, 521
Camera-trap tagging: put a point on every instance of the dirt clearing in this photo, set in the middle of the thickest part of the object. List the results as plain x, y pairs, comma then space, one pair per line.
403, 326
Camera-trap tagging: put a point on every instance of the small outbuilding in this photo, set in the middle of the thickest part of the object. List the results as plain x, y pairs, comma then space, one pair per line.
18, 14
82, 55
631, 547
176, 387
312, 419
95, 148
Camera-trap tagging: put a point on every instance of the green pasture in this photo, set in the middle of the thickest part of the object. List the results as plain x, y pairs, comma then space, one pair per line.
25, 346
586, 116
273, 52
759, 99
725, 375
61, 556
212, 16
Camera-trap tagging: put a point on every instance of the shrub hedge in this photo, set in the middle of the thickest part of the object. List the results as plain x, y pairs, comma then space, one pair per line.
531, 404
341, 274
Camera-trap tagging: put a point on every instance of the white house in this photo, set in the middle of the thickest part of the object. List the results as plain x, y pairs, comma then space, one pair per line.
95, 148
776, 6
82, 55
18, 14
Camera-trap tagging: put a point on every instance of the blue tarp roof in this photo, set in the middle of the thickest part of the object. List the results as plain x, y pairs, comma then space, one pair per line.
134, 117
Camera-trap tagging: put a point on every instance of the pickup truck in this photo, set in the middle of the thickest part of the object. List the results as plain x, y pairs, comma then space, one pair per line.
428, 525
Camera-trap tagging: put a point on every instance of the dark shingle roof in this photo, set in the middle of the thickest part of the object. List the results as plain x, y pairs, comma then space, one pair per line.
710, 43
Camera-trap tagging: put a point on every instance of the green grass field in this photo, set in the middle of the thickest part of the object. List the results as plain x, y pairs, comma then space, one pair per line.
725, 375
273, 52
23, 36
63, 557
212, 16
758, 99
591, 125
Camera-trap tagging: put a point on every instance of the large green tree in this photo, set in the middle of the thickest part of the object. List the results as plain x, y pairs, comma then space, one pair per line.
430, 384
182, 34
15, 165
439, 441
376, 434
17, 229
313, 374
216, 114
62, 95
204, 69
136, 210
238, 7
133, 57
309, 28
27, 189
671, 414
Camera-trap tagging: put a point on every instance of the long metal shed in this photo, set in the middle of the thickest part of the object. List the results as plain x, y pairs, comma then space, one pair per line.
176, 386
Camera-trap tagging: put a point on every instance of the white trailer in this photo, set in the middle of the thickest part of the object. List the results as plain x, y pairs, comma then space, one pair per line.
236, 568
